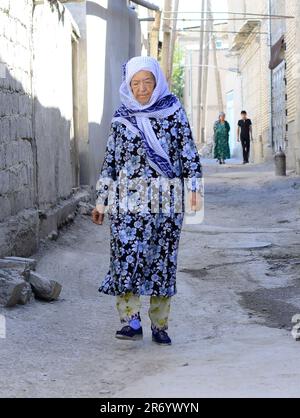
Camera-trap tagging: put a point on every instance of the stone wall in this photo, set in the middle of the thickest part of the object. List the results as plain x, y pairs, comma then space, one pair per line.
51, 144
17, 179
35, 116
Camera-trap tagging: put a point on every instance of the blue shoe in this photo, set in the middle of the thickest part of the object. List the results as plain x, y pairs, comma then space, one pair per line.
161, 337
128, 333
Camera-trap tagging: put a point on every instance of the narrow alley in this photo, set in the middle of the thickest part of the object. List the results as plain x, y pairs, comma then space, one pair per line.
238, 289
132, 94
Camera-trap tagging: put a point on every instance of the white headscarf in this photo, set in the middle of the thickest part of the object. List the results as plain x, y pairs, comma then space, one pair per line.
157, 107
135, 65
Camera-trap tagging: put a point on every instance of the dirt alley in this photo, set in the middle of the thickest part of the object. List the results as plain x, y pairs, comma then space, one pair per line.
238, 288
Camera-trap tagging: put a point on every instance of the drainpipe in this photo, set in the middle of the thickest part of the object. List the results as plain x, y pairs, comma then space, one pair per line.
146, 4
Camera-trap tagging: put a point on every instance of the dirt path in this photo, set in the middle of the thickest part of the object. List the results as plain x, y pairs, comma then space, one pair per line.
238, 288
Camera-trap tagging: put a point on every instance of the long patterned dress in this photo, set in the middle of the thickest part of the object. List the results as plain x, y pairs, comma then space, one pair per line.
144, 246
221, 132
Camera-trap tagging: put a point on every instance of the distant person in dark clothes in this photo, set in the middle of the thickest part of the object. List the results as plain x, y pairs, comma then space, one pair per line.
244, 135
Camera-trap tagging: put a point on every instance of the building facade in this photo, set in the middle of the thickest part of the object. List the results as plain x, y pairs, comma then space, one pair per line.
292, 75
265, 49
251, 88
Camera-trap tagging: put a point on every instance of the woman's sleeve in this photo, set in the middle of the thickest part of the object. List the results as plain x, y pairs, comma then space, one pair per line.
190, 159
107, 175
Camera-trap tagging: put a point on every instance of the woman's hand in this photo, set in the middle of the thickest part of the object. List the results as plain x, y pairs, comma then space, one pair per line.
196, 201
98, 214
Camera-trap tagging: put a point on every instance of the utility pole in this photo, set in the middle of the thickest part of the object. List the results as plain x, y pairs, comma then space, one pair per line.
173, 39
208, 27
166, 37
154, 35
191, 88
200, 74
217, 75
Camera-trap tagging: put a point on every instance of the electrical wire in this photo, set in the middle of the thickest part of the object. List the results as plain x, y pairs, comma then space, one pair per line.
224, 19
240, 14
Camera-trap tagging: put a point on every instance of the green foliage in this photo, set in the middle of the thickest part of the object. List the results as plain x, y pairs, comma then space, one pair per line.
177, 83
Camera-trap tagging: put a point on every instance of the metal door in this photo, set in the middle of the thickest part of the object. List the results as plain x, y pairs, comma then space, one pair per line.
279, 107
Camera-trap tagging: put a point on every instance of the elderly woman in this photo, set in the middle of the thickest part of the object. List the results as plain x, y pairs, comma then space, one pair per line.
150, 147
221, 139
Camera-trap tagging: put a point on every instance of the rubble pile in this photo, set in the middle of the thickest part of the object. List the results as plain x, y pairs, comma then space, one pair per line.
20, 284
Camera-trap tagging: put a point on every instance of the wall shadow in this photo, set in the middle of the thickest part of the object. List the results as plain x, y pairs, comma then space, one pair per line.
36, 167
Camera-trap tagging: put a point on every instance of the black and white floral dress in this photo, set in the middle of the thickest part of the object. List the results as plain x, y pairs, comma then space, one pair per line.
144, 244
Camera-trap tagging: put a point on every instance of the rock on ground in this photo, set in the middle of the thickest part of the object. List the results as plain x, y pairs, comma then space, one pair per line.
43, 288
13, 289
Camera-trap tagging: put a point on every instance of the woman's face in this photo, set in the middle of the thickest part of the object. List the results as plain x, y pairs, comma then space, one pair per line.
142, 85
222, 118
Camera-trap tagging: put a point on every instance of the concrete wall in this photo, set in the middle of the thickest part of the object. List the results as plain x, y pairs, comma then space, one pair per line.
110, 35
278, 26
53, 103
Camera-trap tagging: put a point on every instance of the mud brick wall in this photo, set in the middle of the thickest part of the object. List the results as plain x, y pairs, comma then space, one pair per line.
16, 112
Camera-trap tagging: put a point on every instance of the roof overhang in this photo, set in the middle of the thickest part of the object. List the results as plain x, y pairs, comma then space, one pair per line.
277, 53
246, 30
60, 1
75, 29
147, 4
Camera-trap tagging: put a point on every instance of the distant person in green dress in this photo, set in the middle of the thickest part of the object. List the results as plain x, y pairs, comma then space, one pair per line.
221, 139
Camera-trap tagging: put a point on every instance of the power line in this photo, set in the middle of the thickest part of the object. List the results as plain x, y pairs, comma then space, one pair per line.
224, 19
232, 70
223, 31
243, 14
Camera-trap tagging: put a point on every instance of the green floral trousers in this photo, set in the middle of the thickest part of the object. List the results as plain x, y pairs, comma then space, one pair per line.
129, 306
